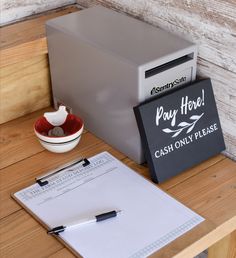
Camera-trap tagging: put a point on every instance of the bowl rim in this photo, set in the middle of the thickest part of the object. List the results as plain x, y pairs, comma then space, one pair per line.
42, 117
58, 138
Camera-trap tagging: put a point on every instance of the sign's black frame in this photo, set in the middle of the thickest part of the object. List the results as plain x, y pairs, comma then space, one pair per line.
179, 129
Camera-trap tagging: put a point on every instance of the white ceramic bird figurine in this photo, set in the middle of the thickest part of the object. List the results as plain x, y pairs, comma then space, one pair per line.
58, 117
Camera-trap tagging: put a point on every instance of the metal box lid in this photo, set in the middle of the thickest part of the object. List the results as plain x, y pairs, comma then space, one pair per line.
136, 41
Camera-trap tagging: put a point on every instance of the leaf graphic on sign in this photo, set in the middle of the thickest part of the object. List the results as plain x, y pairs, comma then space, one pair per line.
167, 130
190, 128
195, 117
183, 124
176, 134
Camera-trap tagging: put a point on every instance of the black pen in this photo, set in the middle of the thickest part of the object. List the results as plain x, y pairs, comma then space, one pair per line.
85, 221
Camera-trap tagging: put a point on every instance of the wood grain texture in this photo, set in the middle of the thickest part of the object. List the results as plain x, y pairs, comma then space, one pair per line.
25, 87
14, 135
204, 242
63, 253
144, 171
20, 232
225, 248
24, 40
224, 86
24, 76
212, 192
14, 10
210, 24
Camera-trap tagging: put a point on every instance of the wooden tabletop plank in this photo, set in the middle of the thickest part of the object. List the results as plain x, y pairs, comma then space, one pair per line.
143, 170
17, 134
191, 243
225, 246
63, 253
22, 236
215, 186
222, 211
27, 39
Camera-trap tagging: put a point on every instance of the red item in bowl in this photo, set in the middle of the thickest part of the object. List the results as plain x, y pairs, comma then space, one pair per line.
72, 125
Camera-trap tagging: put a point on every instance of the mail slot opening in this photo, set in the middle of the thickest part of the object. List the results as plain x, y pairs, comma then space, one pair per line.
168, 65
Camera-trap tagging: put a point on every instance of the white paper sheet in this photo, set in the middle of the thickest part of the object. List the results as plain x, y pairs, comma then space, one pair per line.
150, 218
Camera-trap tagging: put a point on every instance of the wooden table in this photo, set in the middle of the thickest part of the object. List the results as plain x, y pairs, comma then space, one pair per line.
209, 189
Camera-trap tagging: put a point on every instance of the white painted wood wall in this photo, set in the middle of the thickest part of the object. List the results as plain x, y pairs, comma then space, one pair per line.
209, 23
13, 10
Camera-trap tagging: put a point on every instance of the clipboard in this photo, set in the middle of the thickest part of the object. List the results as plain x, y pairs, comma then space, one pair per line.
142, 229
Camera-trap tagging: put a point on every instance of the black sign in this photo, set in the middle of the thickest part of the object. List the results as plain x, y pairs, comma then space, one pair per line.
180, 130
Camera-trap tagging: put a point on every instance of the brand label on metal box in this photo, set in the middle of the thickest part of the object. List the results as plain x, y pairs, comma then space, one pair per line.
160, 83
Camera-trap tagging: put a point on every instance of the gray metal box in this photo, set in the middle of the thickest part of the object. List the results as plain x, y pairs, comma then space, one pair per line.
104, 63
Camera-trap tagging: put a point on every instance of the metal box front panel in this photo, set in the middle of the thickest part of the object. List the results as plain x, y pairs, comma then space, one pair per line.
98, 87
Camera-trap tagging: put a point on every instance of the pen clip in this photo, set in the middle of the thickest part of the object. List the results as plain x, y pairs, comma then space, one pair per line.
42, 179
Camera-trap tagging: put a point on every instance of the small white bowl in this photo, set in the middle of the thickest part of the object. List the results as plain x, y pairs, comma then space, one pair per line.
73, 127
60, 147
